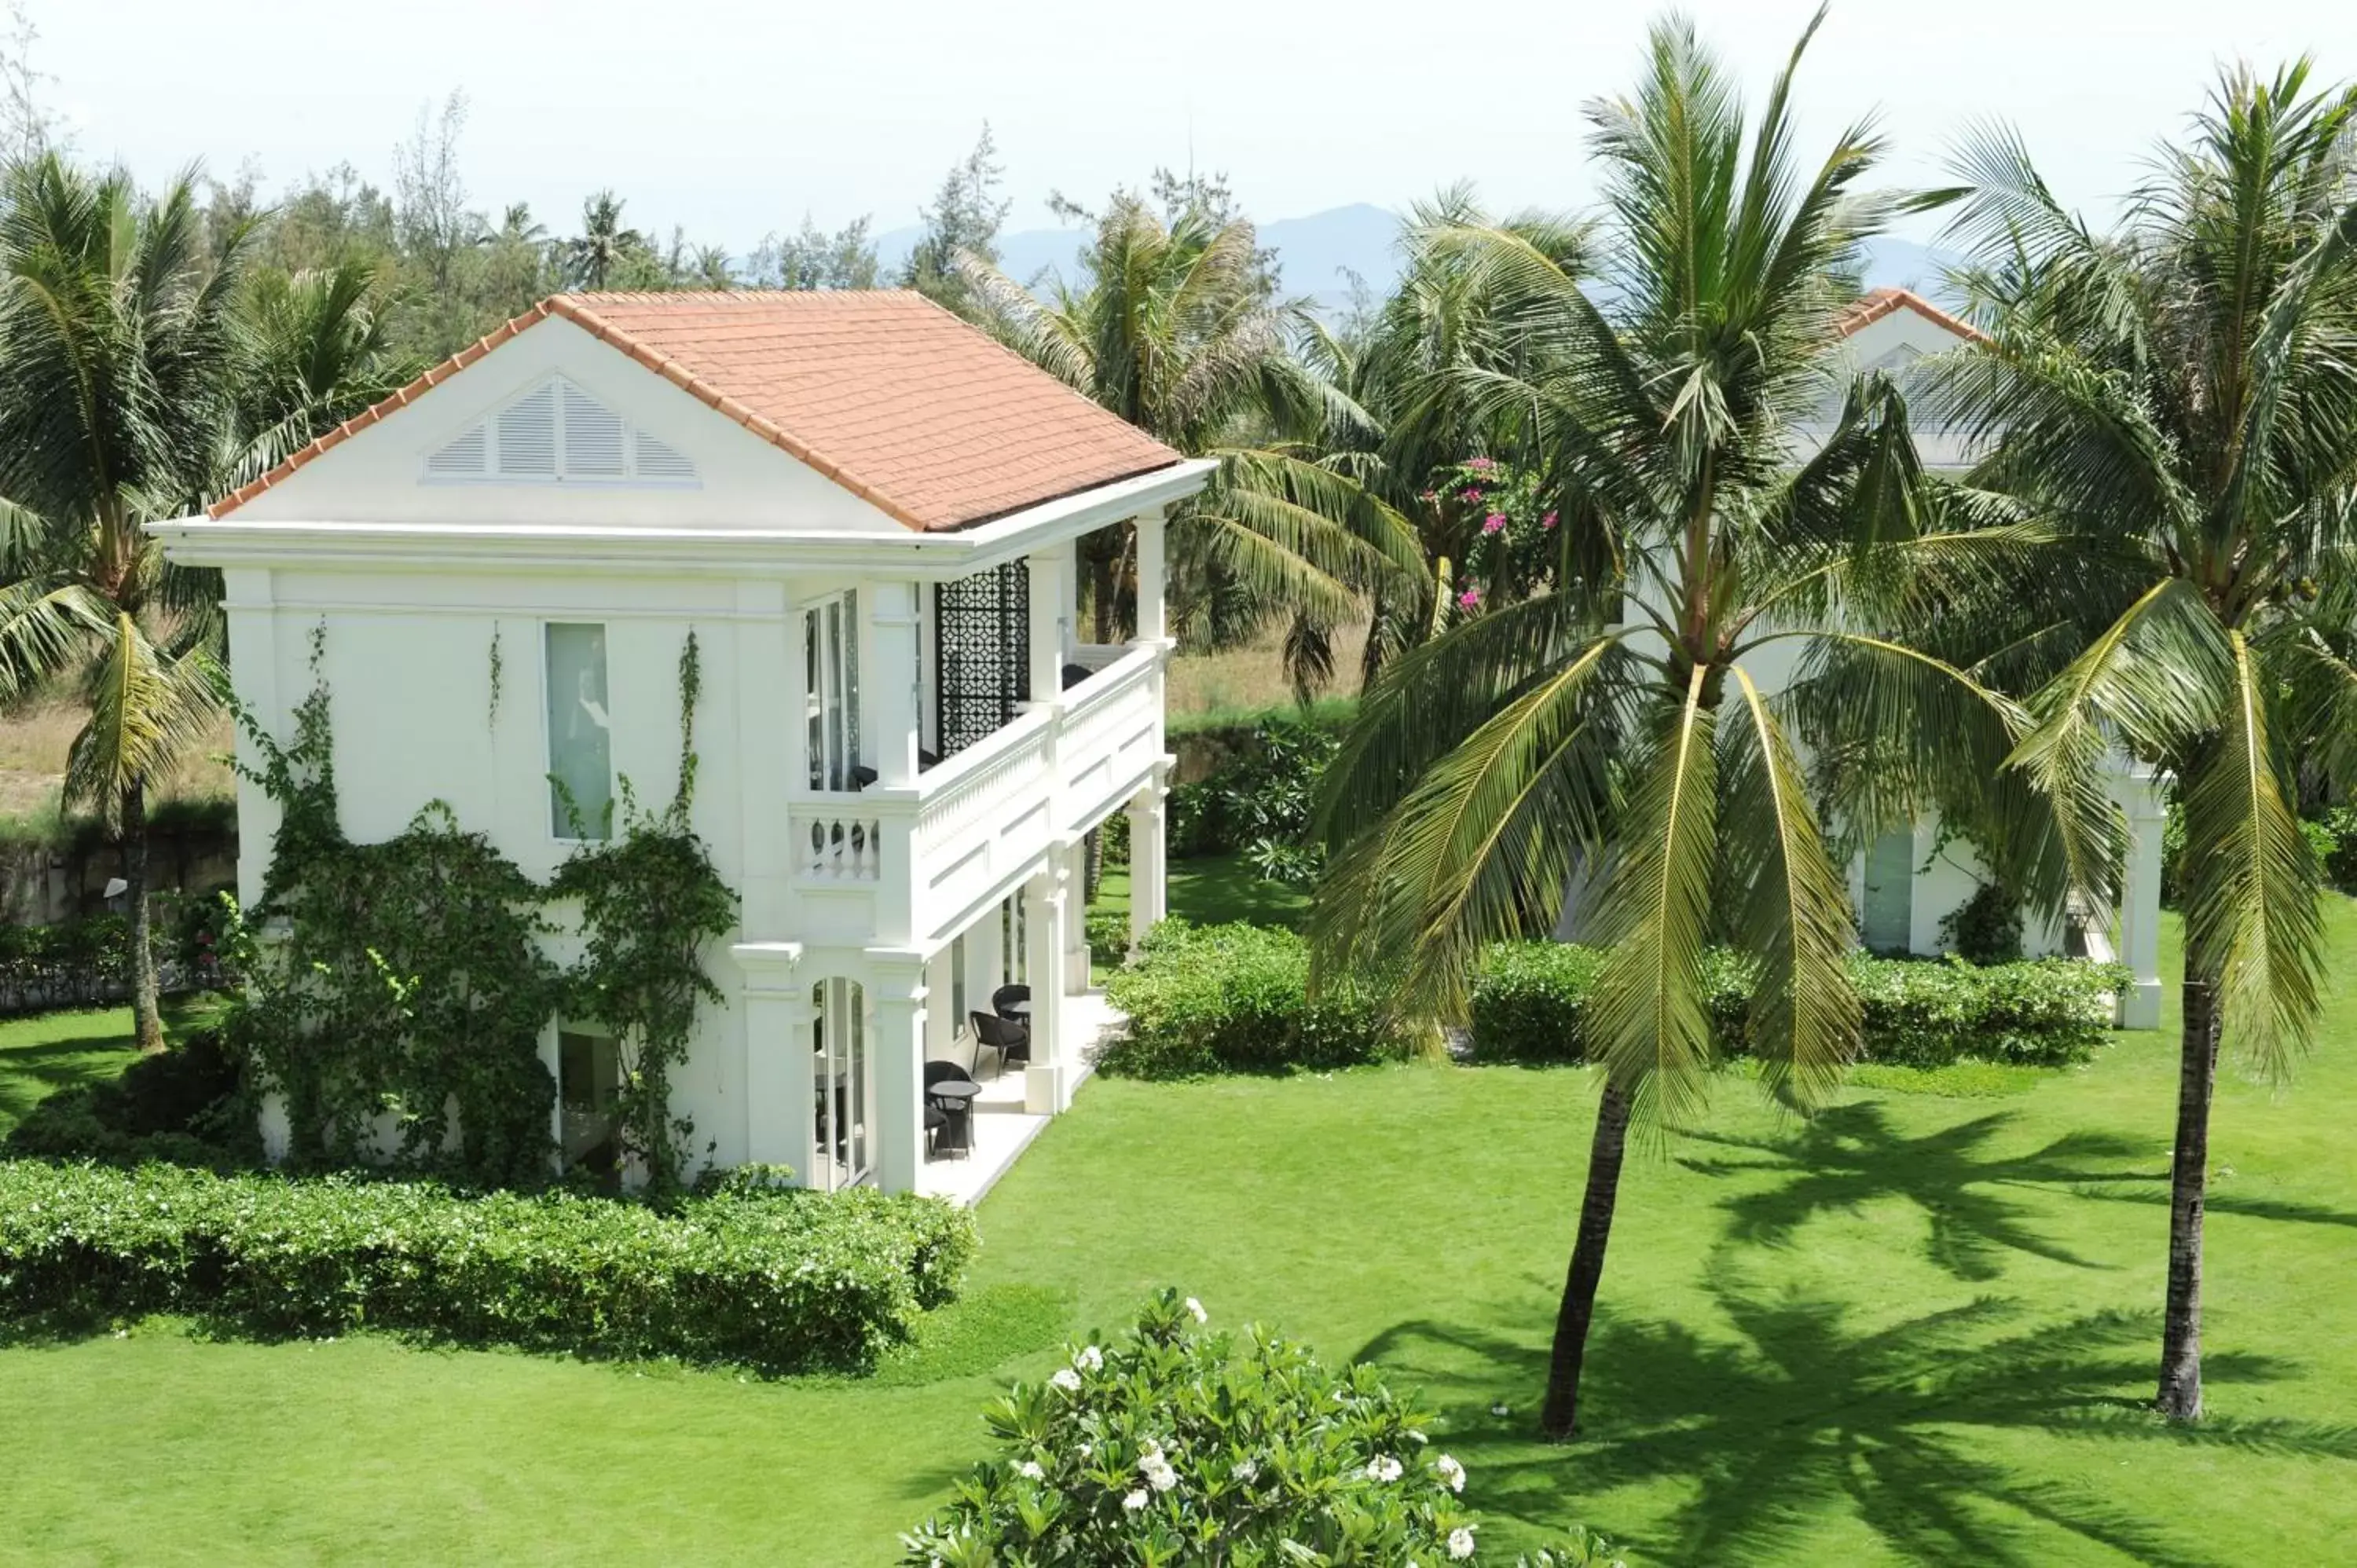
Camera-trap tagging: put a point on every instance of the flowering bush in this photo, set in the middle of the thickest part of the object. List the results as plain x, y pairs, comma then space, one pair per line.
779, 1279
1235, 998
1176, 1445
1490, 519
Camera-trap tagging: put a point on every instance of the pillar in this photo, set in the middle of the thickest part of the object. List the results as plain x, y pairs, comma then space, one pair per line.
888, 682
1047, 1082
1152, 619
779, 1091
2140, 899
1148, 862
1051, 626
896, 1000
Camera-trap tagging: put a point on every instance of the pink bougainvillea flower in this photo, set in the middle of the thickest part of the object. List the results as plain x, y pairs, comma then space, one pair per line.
1468, 599
1494, 523
1547, 521
1472, 492
1429, 495
1483, 465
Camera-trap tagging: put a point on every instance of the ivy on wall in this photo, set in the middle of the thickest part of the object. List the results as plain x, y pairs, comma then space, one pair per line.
407, 983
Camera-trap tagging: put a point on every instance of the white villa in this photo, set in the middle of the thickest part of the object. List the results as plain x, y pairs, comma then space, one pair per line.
1905, 885
865, 512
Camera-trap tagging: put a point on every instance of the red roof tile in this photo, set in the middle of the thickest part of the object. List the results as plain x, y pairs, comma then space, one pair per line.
1876, 304
884, 391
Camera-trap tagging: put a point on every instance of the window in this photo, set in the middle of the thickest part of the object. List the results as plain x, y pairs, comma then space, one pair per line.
580, 734
589, 1077
839, 1075
831, 692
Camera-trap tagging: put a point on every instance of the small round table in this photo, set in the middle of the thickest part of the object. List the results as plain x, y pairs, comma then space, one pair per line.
956, 1096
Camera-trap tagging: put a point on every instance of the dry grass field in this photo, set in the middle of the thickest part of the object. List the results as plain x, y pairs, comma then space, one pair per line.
34, 743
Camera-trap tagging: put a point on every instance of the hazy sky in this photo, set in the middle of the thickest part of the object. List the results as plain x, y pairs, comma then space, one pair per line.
733, 119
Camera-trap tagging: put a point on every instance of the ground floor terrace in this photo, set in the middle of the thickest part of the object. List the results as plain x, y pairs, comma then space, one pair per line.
1913, 1332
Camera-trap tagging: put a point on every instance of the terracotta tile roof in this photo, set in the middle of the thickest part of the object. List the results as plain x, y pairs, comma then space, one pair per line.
1876, 304
884, 391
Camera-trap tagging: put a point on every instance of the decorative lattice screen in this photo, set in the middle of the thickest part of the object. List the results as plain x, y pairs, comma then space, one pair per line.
982, 640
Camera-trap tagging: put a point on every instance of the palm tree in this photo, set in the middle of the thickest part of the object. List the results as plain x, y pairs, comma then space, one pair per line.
1625, 726
2181, 397
603, 246
315, 348
1176, 326
117, 337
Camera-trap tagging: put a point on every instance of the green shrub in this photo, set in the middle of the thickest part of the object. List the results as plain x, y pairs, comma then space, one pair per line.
1261, 791
1986, 926
1108, 935
1235, 998
1173, 1445
781, 1280
1530, 1003
182, 1105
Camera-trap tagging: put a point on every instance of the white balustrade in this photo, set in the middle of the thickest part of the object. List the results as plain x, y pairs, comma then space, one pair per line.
837, 845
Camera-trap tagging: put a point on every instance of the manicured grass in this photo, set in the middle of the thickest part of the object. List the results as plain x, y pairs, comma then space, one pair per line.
1914, 1331
1216, 888
40, 1055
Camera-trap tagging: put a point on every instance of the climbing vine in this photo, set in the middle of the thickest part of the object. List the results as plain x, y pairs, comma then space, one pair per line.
403, 987
651, 899
499, 669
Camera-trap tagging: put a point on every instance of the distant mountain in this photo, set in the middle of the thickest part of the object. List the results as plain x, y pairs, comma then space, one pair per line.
1317, 255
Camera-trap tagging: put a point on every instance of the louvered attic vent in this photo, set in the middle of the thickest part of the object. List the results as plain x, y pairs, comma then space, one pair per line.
558, 434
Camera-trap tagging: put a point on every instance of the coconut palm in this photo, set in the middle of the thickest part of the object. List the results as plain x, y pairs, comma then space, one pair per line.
1624, 731
1175, 326
118, 339
315, 348
2181, 397
603, 247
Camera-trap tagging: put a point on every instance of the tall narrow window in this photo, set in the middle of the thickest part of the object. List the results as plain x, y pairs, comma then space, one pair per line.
957, 983
841, 1075
580, 734
831, 692
588, 1078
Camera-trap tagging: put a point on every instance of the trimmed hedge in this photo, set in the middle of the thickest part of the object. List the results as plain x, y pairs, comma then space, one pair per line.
1234, 998
1530, 1001
782, 1280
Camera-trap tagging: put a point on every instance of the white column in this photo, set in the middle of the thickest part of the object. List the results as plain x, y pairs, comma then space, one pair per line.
888, 682
1047, 1085
253, 631
2140, 899
1148, 862
896, 1039
1076, 917
1151, 566
1051, 621
780, 1092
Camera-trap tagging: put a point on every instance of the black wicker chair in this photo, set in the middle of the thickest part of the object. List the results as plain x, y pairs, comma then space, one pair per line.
1011, 1040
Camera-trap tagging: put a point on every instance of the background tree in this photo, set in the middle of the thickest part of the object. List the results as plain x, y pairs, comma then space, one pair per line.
605, 247
1175, 325
2181, 397
962, 220
810, 257
1616, 731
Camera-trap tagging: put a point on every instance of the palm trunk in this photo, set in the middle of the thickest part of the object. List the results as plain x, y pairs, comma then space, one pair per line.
1103, 586
147, 1015
1559, 1419
2180, 1397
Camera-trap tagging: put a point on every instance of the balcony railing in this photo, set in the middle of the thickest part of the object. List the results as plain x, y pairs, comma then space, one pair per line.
929, 852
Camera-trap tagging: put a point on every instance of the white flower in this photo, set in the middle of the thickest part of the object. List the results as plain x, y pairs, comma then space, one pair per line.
1067, 1380
1136, 1500
1089, 1359
1244, 1470
1500, 1409
1451, 1472
1383, 1467
1460, 1542
1030, 1470
1419, 1438
1197, 1308
1157, 1472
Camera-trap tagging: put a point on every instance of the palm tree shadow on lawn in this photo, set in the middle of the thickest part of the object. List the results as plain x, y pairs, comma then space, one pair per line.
1800, 1417
1850, 1154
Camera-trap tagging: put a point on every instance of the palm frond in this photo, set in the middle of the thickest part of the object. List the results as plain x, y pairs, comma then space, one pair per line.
2251, 922
148, 714
1791, 905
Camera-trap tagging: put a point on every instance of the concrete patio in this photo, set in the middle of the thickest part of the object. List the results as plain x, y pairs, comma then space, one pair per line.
1002, 1128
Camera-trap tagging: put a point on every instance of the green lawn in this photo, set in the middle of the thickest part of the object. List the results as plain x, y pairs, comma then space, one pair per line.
1913, 1332
41, 1055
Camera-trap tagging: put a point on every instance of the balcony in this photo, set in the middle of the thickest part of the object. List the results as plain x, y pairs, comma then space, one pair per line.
915, 864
